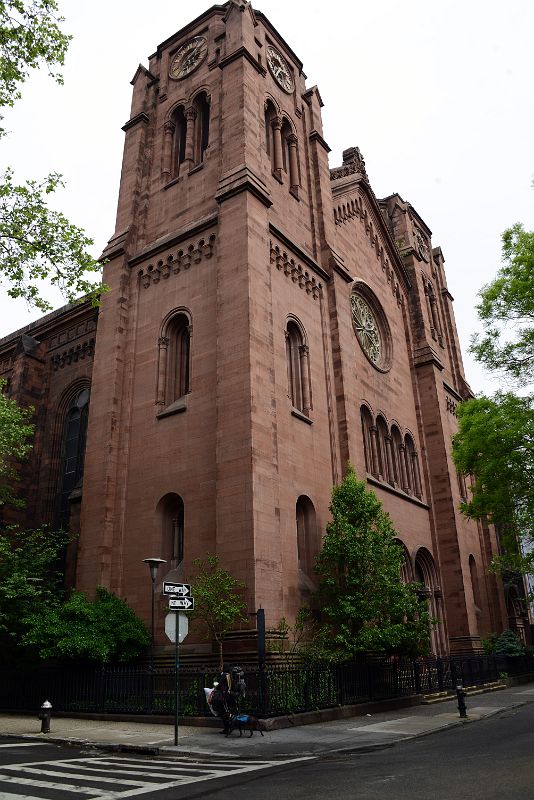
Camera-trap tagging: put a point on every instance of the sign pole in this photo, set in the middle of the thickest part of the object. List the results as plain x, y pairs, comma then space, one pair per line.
176, 674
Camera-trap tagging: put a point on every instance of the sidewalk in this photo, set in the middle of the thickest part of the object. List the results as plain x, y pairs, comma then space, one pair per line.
355, 734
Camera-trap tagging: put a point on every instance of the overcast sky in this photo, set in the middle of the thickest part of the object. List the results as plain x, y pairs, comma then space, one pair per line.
437, 95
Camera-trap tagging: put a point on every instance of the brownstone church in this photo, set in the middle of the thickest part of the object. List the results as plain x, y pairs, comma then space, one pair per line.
268, 320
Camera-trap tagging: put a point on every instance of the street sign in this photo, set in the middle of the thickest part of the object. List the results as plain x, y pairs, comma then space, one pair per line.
180, 589
183, 603
173, 621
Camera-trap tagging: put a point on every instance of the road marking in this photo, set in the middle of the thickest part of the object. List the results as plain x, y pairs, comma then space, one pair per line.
131, 776
28, 744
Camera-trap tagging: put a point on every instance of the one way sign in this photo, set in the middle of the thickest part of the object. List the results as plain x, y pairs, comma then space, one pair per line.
180, 589
182, 603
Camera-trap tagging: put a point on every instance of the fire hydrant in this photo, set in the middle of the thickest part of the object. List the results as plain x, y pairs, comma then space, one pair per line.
461, 694
45, 713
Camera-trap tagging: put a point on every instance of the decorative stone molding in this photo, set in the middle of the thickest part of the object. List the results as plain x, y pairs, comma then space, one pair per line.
355, 209
70, 334
353, 164
174, 263
73, 355
292, 269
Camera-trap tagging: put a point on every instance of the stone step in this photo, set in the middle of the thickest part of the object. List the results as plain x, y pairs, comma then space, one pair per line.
442, 697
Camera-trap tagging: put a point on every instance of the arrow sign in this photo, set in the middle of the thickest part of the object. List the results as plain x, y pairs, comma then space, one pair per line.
180, 589
183, 603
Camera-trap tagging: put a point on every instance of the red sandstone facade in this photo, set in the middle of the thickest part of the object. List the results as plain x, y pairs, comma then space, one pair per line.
269, 320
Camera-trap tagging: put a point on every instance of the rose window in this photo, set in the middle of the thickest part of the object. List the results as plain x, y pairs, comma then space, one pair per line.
367, 329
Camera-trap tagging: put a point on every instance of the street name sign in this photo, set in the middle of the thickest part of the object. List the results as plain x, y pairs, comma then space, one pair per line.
182, 603
176, 622
180, 589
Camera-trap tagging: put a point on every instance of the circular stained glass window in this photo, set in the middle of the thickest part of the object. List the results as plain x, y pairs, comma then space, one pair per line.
367, 329
371, 327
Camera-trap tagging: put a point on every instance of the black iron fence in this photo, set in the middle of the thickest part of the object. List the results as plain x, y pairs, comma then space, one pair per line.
136, 689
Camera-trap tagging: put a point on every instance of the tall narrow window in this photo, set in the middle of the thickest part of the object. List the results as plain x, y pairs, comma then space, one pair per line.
170, 509
425, 573
307, 535
382, 447
298, 368
173, 380
368, 448
202, 126
180, 133
73, 452
474, 582
396, 442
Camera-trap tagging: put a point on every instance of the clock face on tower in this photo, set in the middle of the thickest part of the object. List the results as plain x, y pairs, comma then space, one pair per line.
188, 57
279, 69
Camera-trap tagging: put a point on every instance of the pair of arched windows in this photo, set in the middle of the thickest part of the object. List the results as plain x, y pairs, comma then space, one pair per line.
388, 456
187, 136
298, 368
174, 360
282, 147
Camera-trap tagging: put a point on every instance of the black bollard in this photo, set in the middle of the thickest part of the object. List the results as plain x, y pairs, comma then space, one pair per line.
45, 714
461, 694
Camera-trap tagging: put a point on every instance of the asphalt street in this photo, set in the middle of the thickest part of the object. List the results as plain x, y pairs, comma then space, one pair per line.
487, 760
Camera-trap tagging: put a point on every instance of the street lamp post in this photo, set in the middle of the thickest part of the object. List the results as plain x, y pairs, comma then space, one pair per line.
153, 565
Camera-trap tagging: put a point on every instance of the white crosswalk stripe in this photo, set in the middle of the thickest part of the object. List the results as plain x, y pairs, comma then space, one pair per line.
110, 778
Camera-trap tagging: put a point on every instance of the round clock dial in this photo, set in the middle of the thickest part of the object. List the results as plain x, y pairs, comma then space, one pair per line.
280, 69
188, 57
367, 329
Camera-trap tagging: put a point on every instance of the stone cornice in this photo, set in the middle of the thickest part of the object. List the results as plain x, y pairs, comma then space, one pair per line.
243, 179
427, 355
174, 238
315, 136
142, 117
299, 252
43, 328
242, 52
448, 388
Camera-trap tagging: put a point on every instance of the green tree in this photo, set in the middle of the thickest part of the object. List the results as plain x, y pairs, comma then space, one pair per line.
495, 440
364, 605
495, 444
29, 579
506, 308
218, 604
15, 434
36, 242
101, 630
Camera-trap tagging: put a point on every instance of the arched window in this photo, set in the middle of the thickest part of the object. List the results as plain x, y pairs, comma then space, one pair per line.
174, 360
396, 454
406, 573
180, 132
425, 574
72, 452
382, 447
368, 448
270, 116
202, 126
171, 512
413, 477
474, 582
308, 542
298, 369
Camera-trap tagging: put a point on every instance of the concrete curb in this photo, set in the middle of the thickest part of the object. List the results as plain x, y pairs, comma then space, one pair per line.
191, 753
